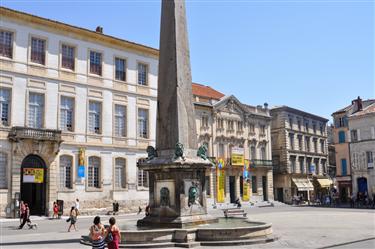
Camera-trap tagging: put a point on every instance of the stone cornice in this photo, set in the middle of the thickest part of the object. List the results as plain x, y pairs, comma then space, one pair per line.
76, 32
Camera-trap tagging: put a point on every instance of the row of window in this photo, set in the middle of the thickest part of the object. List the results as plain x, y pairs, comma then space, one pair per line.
36, 109
307, 142
252, 149
306, 125
68, 58
312, 168
230, 125
94, 171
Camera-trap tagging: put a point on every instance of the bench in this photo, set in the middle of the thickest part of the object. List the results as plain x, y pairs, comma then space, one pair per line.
232, 212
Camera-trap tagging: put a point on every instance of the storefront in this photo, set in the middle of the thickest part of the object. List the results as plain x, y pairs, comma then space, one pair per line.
322, 187
301, 188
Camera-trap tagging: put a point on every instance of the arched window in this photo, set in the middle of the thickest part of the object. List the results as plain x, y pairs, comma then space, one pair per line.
3, 170
66, 166
120, 173
94, 172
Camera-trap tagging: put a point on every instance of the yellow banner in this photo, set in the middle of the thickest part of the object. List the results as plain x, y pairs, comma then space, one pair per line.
220, 185
33, 175
246, 191
238, 158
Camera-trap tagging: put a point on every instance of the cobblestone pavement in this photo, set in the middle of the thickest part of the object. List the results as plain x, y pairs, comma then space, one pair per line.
297, 227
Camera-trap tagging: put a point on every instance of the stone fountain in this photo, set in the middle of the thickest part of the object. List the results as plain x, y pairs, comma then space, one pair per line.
177, 195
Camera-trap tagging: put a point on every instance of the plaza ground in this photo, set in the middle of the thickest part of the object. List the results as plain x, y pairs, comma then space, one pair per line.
296, 227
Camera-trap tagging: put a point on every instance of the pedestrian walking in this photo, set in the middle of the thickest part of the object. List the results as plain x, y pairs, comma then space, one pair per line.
22, 211
97, 234
76, 205
113, 234
25, 216
72, 218
55, 211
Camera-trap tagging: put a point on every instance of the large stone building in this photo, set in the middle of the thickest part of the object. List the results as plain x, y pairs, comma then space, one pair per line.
299, 153
362, 149
228, 126
78, 109
341, 139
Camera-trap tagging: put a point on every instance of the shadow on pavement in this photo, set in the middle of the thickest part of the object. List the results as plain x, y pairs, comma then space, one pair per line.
41, 242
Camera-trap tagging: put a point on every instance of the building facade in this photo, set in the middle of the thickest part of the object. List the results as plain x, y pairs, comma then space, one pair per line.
78, 109
362, 149
300, 154
225, 125
341, 140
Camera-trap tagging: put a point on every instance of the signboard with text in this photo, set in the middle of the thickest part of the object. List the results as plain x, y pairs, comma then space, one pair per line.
238, 158
33, 175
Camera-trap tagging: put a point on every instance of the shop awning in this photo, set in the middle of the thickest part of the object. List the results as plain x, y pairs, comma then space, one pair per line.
303, 184
324, 183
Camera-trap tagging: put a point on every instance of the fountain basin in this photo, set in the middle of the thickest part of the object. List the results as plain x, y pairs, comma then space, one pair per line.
228, 231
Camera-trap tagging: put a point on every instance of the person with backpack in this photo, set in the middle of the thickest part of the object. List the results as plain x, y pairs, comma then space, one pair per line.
113, 237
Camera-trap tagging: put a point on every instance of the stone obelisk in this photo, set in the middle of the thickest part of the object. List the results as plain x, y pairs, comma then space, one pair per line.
176, 121
177, 195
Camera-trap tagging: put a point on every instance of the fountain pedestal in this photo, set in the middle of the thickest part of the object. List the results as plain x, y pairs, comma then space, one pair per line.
177, 194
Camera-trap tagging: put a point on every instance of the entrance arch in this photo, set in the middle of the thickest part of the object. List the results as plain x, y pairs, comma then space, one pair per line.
33, 183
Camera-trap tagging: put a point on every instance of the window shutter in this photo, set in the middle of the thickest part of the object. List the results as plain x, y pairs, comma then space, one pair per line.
359, 135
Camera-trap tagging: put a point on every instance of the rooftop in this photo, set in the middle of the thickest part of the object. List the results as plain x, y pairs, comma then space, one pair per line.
367, 110
206, 91
294, 110
365, 103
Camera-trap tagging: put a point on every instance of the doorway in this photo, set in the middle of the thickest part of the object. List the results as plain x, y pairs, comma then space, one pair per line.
264, 187
232, 188
280, 194
362, 184
33, 184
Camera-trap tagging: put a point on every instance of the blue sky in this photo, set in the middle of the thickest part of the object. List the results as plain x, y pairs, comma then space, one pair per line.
314, 55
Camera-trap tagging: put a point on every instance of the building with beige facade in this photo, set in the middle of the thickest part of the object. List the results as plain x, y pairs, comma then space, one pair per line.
226, 125
362, 149
300, 154
341, 141
78, 109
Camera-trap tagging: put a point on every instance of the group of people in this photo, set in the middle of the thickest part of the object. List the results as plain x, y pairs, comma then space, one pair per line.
362, 199
101, 235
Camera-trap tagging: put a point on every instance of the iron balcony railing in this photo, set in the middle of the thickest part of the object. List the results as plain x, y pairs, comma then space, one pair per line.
260, 163
19, 132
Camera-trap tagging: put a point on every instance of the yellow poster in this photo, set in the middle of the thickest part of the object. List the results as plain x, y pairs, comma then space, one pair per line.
238, 158
246, 191
33, 175
220, 185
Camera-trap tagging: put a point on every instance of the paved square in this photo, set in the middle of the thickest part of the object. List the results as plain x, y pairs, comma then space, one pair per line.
297, 227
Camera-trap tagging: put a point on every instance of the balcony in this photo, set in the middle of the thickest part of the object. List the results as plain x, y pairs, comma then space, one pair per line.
256, 163
19, 132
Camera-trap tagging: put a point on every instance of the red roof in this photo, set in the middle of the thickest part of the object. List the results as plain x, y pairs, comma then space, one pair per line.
206, 91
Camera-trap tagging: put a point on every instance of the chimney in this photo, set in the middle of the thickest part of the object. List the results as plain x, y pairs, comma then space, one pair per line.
99, 29
357, 105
